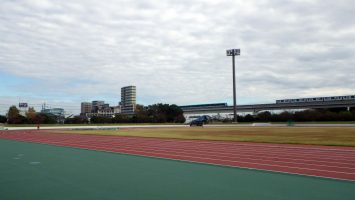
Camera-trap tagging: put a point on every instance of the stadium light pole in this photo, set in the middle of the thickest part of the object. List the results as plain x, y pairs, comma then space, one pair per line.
233, 53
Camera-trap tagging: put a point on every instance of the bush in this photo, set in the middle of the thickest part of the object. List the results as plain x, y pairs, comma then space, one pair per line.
3, 119
100, 120
264, 117
76, 120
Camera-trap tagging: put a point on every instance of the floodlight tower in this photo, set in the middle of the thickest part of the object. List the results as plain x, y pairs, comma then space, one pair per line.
233, 53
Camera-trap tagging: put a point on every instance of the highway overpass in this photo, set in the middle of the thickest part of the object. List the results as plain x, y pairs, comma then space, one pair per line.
255, 108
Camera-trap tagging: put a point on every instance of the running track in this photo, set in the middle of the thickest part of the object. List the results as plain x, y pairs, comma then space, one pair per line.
312, 160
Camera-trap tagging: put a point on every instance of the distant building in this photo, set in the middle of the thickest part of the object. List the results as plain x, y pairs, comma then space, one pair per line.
102, 109
99, 109
106, 113
116, 109
58, 113
86, 107
54, 111
96, 106
128, 99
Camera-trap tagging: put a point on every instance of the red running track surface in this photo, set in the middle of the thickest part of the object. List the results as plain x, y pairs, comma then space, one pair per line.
312, 160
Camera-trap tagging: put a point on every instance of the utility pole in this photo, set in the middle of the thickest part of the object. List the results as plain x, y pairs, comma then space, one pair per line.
233, 53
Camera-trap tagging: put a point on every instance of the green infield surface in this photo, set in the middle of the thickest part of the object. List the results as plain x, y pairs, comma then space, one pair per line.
37, 171
335, 136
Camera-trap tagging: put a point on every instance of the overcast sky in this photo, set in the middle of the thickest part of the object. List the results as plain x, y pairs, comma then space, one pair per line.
65, 52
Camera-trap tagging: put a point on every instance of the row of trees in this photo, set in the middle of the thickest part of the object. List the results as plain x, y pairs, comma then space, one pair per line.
3, 119
301, 116
157, 113
165, 113
31, 117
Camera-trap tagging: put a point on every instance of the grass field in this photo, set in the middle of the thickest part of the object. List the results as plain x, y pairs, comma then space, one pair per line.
337, 136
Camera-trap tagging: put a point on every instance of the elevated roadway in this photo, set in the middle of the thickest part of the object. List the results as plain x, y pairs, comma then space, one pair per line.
255, 108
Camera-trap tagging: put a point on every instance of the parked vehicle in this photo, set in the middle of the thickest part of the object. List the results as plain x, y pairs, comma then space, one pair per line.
200, 121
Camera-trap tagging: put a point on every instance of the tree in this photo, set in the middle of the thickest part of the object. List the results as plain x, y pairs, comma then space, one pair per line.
100, 120
345, 116
264, 116
248, 118
141, 115
285, 116
31, 115
162, 113
14, 116
308, 115
3, 119
175, 114
43, 118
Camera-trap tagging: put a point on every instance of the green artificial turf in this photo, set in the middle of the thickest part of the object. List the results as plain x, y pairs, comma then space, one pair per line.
37, 171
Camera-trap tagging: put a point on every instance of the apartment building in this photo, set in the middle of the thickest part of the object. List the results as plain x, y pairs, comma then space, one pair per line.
128, 99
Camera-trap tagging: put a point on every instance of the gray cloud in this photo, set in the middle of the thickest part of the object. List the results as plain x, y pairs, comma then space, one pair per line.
174, 51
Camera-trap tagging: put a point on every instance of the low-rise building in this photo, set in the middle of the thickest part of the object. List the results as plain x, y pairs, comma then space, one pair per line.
58, 113
99, 109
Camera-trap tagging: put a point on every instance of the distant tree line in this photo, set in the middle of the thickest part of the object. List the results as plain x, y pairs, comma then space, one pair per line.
312, 115
31, 117
156, 113
165, 113
3, 119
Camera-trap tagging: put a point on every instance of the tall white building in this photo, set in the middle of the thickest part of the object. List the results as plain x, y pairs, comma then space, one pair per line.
128, 99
